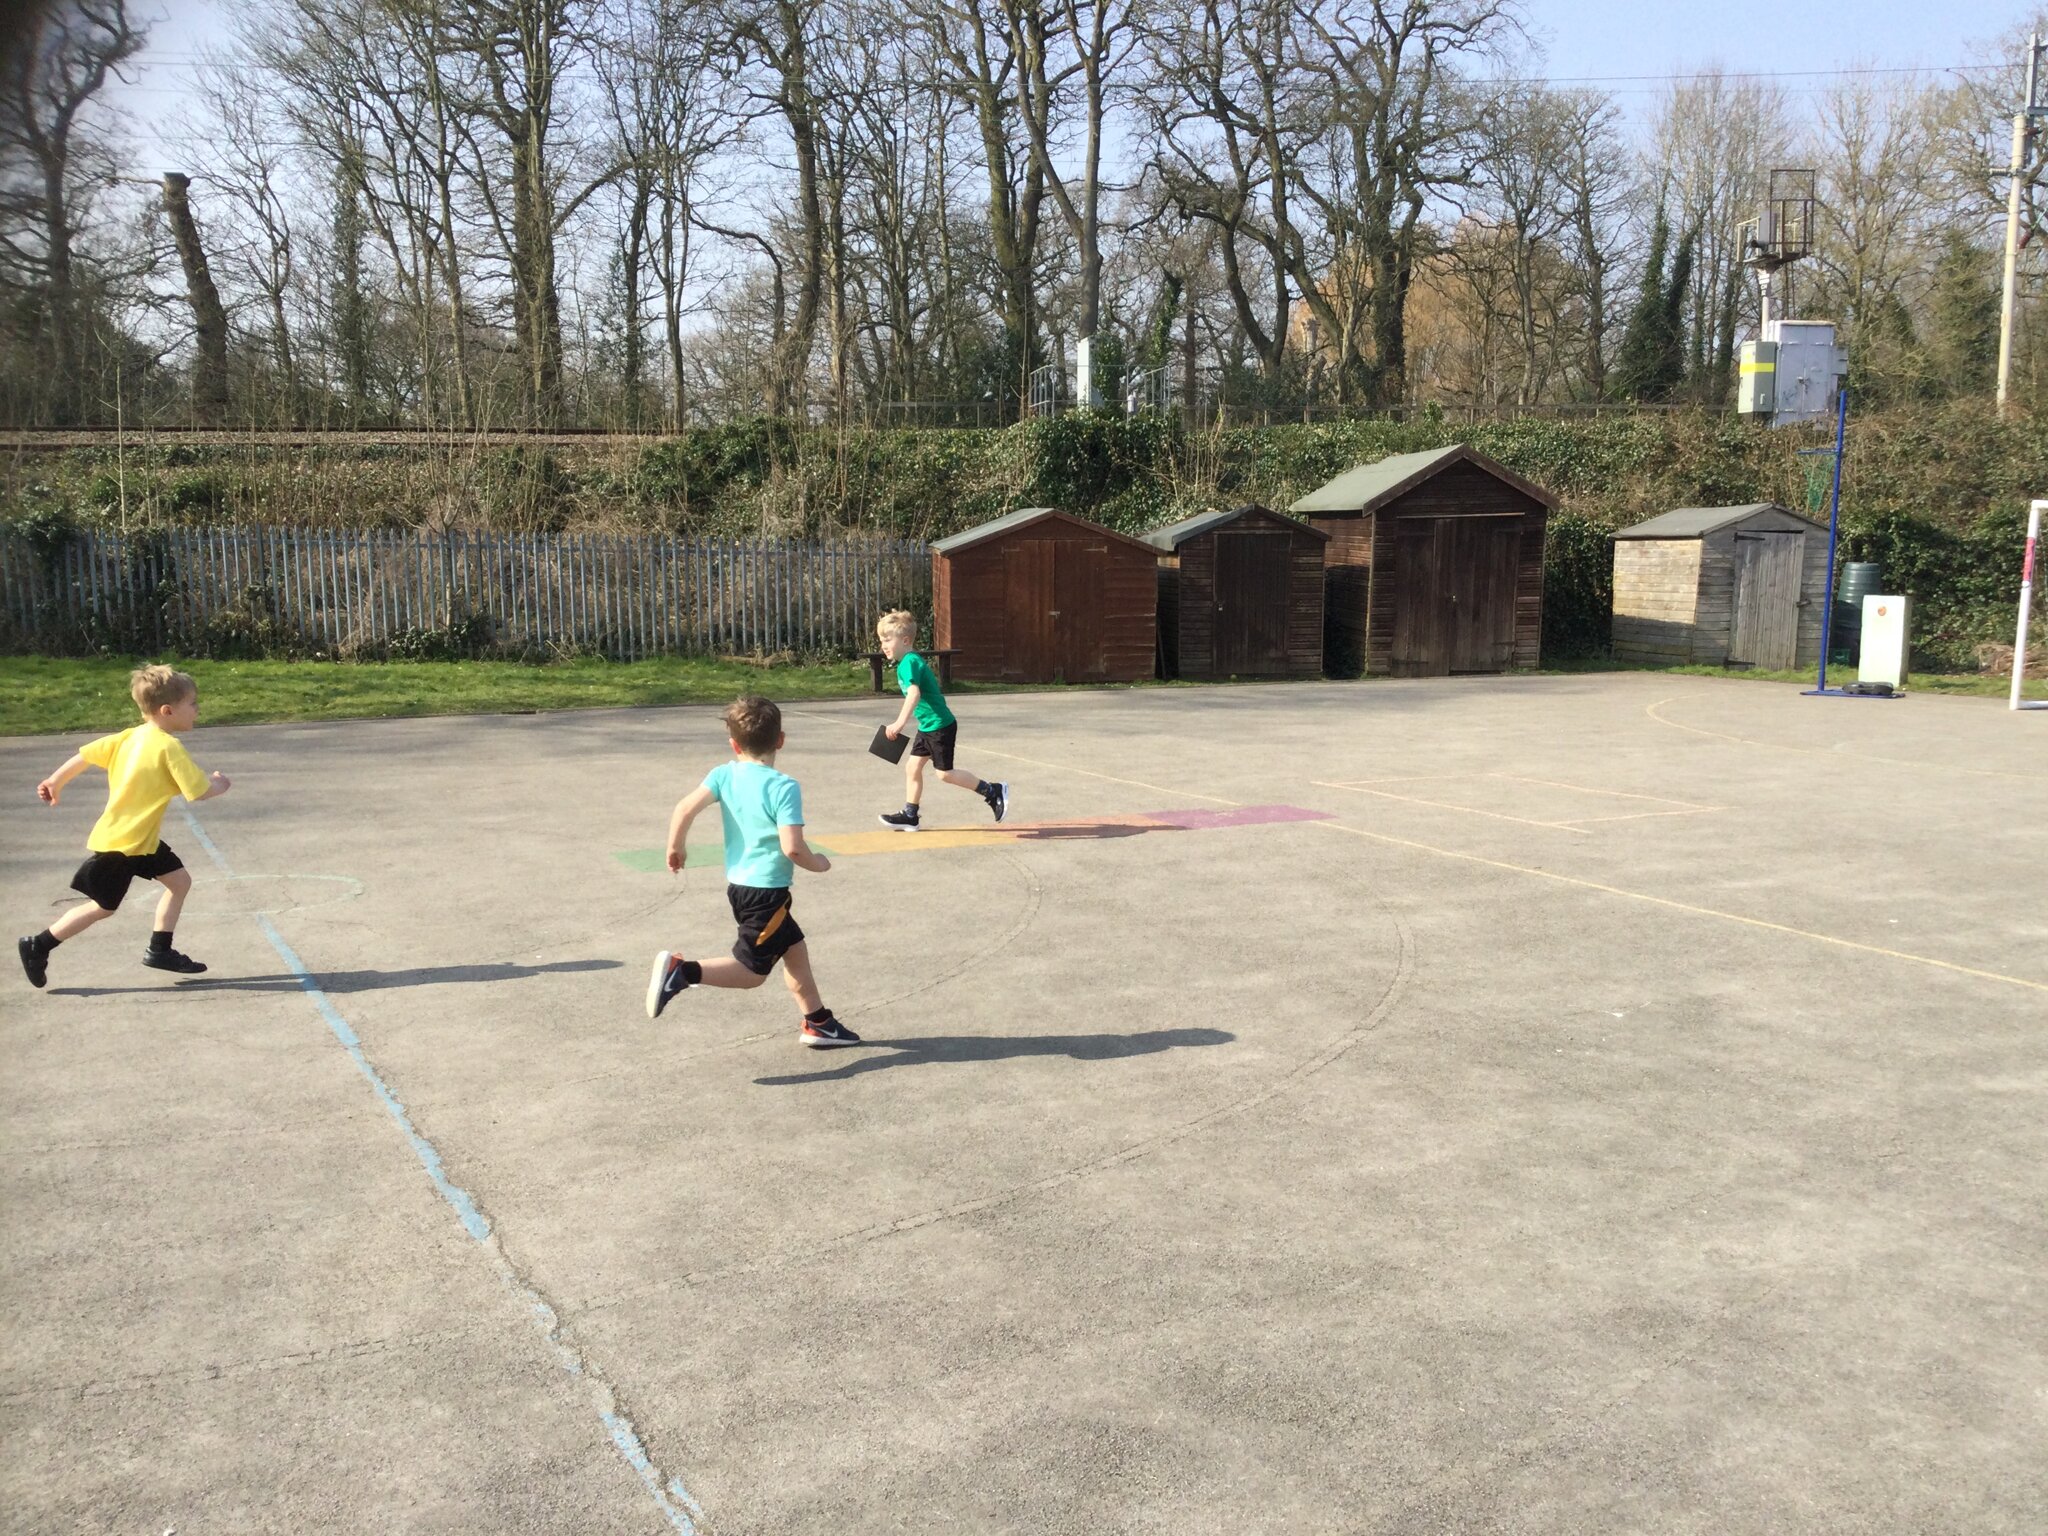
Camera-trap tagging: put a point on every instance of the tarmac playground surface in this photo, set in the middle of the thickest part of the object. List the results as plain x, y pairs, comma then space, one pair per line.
1561, 1104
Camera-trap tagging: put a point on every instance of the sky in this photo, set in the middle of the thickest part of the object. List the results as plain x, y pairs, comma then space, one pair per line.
1625, 46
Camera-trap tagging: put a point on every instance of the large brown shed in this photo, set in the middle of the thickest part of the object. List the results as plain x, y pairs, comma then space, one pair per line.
1435, 564
1240, 595
1041, 596
1722, 586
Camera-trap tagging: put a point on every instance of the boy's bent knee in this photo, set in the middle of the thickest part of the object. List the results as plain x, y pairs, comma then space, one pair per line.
179, 879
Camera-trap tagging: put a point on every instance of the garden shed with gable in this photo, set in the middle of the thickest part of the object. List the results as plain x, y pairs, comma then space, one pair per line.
1434, 564
1721, 586
1240, 595
1042, 596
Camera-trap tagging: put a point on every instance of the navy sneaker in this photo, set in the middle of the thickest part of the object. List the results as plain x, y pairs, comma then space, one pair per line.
998, 798
823, 1036
34, 959
898, 821
666, 982
171, 960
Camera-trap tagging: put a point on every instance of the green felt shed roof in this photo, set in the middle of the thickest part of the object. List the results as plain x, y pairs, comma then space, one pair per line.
1371, 486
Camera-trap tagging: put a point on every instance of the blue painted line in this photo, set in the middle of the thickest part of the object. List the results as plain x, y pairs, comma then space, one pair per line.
674, 1501
473, 1221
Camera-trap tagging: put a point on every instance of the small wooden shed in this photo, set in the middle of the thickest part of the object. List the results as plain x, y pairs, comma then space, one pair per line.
1041, 596
1434, 565
1723, 586
1240, 595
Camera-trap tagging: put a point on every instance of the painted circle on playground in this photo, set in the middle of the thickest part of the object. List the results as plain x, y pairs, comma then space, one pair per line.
272, 895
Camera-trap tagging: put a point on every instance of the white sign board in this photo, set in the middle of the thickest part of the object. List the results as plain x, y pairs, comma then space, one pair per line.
1883, 658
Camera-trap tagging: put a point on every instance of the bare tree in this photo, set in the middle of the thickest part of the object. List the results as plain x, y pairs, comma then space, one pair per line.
54, 167
210, 320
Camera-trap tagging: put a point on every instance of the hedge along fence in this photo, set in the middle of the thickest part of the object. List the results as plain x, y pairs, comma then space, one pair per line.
1935, 495
369, 593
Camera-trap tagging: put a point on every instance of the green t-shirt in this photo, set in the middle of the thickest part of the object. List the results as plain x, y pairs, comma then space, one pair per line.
914, 672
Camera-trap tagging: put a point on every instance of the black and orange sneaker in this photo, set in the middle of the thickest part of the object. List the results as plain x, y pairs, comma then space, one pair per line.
665, 983
826, 1033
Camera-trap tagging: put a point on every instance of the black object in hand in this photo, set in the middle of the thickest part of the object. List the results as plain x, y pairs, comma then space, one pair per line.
889, 748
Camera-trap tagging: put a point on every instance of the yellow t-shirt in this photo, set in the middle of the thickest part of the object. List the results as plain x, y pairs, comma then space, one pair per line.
146, 767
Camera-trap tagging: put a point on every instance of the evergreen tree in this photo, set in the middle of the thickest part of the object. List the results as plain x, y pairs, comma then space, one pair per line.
350, 308
1963, 309
1637, 360
1669, 373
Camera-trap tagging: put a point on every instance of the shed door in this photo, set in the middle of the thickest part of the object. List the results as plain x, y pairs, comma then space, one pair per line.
1028, 611
1077, 652
1454, 595
1767, 567
1252, 578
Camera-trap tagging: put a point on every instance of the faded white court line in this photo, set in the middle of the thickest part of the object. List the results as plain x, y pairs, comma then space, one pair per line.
669, 1494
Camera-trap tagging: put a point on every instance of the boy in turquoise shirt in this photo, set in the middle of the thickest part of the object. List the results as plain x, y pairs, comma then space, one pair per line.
763, 812
938, 732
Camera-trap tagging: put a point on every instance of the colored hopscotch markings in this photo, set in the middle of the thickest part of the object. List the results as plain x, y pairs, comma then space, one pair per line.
852, 845
654, 861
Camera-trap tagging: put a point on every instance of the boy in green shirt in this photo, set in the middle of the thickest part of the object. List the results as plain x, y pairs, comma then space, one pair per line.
763, 812
937, 730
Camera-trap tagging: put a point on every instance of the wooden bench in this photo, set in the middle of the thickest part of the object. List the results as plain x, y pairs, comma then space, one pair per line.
942, 660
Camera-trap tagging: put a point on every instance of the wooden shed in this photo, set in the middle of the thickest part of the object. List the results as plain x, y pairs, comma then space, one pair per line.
1724, 586
1434, 565
1041, 596
1240, 595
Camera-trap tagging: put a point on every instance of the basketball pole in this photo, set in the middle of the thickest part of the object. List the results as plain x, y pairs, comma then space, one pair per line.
2019, 644
1827, 612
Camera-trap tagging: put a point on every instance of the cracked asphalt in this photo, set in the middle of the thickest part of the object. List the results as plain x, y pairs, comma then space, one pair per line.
1622, 1108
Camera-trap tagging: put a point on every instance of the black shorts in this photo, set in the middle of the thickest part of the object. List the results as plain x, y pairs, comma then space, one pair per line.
768, 929
105, 877
937, 745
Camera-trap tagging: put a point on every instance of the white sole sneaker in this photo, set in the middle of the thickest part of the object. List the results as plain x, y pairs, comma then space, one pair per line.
661, 965
1008, 804
897, 826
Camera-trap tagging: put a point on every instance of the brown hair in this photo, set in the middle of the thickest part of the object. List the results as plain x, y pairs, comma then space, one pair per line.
754, 723
154, 687
898, 621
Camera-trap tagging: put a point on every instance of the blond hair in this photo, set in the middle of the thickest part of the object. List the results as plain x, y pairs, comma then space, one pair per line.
153, 687
753, 723
898, 621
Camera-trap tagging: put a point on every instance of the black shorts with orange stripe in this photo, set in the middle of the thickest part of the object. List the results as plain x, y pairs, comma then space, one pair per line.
768, 929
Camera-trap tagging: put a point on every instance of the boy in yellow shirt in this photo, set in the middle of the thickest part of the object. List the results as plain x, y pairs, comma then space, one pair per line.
147, 767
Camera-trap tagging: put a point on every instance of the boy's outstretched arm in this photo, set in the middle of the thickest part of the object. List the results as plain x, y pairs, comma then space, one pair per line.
799, 853
902, 720
51, 790
679, 824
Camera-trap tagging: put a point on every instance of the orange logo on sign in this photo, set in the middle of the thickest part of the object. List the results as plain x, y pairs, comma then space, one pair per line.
1880, 610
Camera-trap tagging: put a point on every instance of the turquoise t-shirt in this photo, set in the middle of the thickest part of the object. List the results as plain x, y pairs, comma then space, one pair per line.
756, 802
913, 671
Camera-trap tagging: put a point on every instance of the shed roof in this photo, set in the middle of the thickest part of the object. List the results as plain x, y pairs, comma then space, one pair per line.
1173, 535
1024, 517
1371, 486
1698, 522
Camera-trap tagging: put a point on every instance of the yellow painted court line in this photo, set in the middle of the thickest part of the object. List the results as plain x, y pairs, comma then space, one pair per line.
855, 844
1544, 874
1865, 757
1445, 805
1613, 794
1691, 810
1686, 906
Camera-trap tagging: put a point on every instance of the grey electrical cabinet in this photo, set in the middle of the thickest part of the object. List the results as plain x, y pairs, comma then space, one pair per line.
1757, 393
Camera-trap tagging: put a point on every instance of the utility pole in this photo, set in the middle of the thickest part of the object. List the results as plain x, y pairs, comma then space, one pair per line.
2022, 137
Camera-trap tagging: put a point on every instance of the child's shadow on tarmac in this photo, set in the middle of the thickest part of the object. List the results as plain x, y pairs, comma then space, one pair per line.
944, 1048
358, 981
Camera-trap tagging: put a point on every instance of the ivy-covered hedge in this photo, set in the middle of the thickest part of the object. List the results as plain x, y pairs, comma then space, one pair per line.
1935, 496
